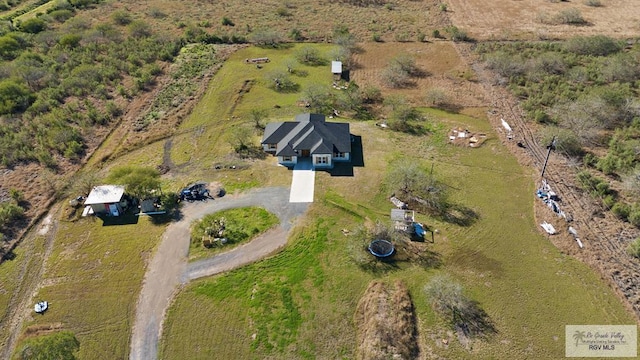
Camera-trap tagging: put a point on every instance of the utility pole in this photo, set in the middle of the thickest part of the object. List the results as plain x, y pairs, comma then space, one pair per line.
550, 147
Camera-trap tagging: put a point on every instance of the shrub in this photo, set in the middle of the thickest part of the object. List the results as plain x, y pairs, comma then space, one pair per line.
566, 140
121, 17
295, 35
570, 16
33, 25
14, 97
157, 13
9, 212
376, 37
283, 11
227, 22
593, 3
634, 248
61, 15
621, 210
59, 345
70, 40
9, 47
634, 216
456, 34
597, 45
139, 29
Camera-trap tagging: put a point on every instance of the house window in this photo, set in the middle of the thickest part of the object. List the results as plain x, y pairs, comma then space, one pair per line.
287, 159
339, 155
272, 146
322, 160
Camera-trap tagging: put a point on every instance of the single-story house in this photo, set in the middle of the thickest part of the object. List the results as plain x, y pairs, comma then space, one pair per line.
309, 136
107, 199
336, 70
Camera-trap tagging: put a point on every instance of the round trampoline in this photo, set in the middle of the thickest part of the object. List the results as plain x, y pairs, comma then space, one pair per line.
381, 248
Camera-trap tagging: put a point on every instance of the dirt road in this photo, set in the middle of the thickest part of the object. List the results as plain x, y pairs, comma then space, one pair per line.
169, 268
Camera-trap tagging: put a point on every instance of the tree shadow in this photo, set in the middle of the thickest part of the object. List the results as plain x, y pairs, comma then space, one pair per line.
379, 266
459, 215
417, 253
474, 323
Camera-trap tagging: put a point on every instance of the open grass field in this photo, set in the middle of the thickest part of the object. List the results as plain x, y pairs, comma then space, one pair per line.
513, 20
92, 283
300, 303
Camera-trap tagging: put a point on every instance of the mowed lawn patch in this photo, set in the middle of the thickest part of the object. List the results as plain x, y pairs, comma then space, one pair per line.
92, 282
300, 303
239, 226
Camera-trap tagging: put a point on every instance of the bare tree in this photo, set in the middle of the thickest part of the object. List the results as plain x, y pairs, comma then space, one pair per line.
448, 299
257, 116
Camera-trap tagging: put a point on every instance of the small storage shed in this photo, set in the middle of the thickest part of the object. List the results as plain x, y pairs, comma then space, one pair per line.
336, 70
107, 199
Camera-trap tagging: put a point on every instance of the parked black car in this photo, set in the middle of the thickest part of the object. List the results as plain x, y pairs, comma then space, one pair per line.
193, 192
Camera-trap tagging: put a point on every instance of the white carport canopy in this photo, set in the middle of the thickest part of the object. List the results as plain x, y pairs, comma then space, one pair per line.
105, 194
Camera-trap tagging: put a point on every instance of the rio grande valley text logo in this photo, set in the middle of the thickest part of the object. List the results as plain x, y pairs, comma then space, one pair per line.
601, 340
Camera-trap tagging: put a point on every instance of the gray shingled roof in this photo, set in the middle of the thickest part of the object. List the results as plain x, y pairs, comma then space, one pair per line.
308, 132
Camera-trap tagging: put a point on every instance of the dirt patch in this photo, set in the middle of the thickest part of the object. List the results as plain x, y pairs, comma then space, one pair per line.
443, 68
386, 323
512, 20
38, 330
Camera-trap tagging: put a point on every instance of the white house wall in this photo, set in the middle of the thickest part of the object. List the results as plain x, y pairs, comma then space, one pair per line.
294, 160
346, 157
327, 165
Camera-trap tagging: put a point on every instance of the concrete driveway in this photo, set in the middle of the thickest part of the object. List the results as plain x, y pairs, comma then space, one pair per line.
302, 183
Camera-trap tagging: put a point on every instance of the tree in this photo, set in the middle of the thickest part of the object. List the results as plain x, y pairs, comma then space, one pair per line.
448, 299
415, 186
266, 37
310, 55
141, 182
436, 97
257, 115
394, 76
242, 141
280, 81
319, 99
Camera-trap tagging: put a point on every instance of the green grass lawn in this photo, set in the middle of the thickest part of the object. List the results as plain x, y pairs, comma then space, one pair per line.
92, 282
241, 225
300, 303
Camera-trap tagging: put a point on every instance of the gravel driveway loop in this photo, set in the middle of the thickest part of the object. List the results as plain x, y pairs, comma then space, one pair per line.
169, 268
